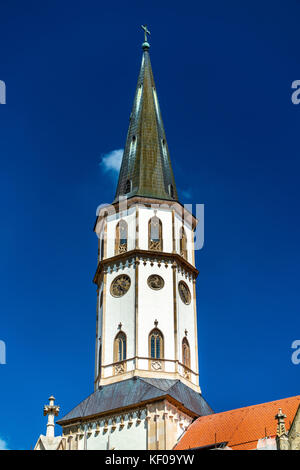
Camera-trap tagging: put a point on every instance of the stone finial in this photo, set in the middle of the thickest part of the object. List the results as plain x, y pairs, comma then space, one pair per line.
282, 438
280, 417
51, 410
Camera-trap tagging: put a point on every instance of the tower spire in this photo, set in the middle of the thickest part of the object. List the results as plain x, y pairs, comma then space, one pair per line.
146, 166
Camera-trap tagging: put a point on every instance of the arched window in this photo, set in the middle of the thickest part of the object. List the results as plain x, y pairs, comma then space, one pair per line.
186, 354
120, 347
121, 237
155, 234
156, 344
171, 190
128, 187
183, 243
132, 147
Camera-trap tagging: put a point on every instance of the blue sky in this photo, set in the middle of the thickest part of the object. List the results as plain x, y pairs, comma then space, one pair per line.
223, 72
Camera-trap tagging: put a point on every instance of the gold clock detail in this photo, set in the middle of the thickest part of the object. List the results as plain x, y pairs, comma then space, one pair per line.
120, 285
184, 292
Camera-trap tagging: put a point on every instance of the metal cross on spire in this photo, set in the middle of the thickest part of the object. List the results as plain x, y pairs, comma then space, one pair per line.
146, 31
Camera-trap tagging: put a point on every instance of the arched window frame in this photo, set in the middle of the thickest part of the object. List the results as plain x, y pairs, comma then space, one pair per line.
120, 347
156, 340
155, 244
186, 353
183, 243
171, 190
132, 148
128, 187
121, 239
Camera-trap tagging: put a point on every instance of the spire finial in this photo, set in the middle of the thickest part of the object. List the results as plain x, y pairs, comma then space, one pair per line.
145, 44
51, 410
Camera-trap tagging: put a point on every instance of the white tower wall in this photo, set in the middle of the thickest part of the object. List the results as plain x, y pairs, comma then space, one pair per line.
141, 308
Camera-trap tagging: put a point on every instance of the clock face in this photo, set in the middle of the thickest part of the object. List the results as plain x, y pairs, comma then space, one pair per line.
120, 285
155, 281
184, 293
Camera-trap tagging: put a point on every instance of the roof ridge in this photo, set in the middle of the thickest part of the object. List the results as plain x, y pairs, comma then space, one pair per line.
176, 382
164, 391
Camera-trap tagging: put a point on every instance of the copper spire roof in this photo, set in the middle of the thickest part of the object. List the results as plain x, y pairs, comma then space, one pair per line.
146, 167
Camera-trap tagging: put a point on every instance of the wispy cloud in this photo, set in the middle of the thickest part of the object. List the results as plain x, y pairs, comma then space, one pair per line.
3, 445
187, 193
111, 161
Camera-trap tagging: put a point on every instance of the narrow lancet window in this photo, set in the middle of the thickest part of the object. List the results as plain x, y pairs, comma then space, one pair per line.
171, 191
183, 243
186, 355
156, 344
121, 237
128, 187
155, 234
120, 347
132, 147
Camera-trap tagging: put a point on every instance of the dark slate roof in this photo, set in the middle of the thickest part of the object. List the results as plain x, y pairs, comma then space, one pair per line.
138, 390
148, 167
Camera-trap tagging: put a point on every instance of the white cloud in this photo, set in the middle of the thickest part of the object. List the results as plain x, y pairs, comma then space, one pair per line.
3, 445
112, 161
187, 193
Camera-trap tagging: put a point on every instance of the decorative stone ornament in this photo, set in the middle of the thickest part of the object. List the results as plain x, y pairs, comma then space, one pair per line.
155, 282
184, 292
156, 365
120, 285
119, 368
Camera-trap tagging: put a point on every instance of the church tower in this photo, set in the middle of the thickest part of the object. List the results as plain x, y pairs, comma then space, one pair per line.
146, 275
146, 386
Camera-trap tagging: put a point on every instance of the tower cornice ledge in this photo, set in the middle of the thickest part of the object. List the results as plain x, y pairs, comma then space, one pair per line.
138, 254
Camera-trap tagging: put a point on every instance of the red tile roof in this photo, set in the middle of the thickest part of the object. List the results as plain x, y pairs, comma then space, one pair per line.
241, 428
